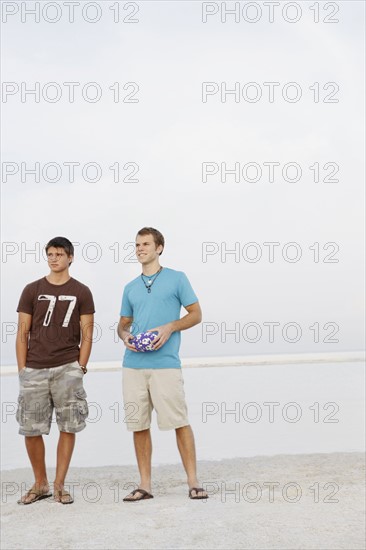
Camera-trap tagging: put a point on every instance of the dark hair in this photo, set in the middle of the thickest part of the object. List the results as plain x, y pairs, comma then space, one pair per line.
61, 242
157, 236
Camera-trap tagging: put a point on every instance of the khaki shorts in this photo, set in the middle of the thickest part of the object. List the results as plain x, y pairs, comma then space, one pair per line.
159, 389
42, 390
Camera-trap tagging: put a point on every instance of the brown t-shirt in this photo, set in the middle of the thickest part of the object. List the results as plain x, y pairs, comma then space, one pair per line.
55, 332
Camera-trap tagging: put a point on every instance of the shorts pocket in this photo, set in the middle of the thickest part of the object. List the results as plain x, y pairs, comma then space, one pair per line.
75, 365
82, 405
20, 410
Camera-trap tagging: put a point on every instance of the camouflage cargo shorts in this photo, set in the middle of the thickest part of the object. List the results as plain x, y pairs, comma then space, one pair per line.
42, 390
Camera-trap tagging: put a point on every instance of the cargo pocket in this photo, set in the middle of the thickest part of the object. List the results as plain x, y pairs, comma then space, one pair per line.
82, 405
20, 410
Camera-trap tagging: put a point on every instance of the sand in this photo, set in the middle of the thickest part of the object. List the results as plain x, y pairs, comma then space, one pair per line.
313, 501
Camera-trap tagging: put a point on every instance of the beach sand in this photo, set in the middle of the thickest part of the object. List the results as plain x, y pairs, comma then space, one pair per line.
313, 501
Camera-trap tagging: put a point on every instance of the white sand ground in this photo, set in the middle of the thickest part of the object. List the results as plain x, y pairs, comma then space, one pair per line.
322, 508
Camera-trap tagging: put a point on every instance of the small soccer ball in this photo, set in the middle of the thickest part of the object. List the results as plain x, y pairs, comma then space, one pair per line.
143, 341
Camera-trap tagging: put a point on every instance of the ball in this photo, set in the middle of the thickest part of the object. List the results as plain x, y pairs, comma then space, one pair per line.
143, 341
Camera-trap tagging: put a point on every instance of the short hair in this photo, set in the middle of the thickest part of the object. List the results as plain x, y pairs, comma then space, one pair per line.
157, 236
61, 242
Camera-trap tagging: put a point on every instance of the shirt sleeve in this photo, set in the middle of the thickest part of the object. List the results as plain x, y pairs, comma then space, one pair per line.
186, 293
126, 308
26, 302
86, 303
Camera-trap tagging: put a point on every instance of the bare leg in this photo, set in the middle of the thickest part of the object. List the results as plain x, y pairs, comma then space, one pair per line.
143, 450
36, 452
186, 446
65, 449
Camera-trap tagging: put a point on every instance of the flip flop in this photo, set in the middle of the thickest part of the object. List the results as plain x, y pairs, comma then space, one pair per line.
198, 490
39, 496
144, 495
59, 494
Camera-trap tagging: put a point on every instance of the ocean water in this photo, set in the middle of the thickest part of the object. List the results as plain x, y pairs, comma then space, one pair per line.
234, 412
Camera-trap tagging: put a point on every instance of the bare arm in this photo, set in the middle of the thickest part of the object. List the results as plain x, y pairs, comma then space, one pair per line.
86, 327
24, 326
124, 333
193, 317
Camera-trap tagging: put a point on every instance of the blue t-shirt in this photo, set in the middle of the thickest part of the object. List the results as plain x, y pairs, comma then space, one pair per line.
162, 305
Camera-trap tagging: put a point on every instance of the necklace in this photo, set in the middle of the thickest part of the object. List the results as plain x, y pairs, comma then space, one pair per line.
151, 280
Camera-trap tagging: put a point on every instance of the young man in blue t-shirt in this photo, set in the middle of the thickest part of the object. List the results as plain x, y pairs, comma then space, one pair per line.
153, 380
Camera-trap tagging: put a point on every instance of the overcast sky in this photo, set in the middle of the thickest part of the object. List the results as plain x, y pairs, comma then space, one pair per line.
163, 139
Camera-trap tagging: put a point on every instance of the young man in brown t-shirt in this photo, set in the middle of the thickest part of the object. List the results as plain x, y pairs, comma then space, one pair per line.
53, 345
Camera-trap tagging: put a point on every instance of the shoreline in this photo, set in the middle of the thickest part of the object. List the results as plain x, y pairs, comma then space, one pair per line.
201, 462
233, 361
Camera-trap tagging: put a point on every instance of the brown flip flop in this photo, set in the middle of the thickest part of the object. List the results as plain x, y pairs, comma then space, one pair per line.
59, 494
198, 490
39, 496
144, 495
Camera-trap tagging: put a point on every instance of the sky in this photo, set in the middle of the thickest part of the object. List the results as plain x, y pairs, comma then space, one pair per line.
192, 116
